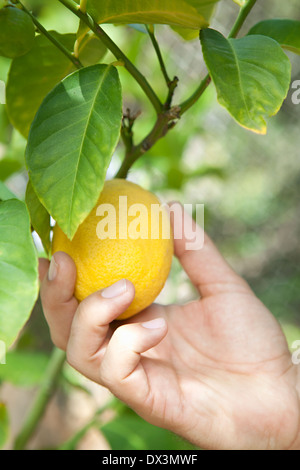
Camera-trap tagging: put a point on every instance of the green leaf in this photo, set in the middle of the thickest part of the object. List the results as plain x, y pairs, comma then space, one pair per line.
33, 76
252, 76
71, 142
39, 216
285, 32
18, 269
24, 368
193, 14
4, 424
8, 166
186, 33
130, 432
91, 50
5, 193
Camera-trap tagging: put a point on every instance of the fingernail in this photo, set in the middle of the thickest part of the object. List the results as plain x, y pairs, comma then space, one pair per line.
53, 269
154, 324
115, 290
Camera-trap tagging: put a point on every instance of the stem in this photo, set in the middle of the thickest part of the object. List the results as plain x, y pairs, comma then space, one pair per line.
83, 5
110, 44
51, 38
52, 373
243, 14
165, 121
196, 95
155, 44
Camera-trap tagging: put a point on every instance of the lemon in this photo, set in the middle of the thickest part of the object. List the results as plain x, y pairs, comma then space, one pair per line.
17, 32
126, 236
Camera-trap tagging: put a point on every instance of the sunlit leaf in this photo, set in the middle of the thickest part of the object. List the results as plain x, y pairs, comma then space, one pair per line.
193, 14
18, 269
71, 142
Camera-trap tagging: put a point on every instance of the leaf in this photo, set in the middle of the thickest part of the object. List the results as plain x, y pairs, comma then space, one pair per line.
285, 32
4, 424
24, 368
5, 193
71, 142
193, 14
39, 216
252, 76
18, 269
33, 76
186, 33
8, 166
91, 50
130, 432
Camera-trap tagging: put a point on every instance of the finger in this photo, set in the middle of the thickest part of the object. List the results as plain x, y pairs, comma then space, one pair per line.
121, 369
57, 295
91, 325
201, 260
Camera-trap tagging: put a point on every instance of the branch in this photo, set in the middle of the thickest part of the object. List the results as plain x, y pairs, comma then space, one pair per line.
165, 121
155, 44
109, 43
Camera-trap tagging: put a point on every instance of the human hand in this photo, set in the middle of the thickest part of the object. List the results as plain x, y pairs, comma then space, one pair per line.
216, 371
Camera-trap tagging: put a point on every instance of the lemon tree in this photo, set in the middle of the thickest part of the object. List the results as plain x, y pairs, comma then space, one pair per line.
68, 111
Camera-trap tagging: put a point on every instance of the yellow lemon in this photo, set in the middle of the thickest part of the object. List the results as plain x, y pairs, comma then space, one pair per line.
126, 236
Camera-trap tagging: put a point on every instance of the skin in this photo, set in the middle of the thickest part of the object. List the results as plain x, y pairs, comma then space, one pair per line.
216, 371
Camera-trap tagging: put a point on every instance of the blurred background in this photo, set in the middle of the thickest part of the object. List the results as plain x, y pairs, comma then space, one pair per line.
248, 183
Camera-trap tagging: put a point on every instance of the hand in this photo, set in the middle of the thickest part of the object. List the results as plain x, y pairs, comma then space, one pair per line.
216, 371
